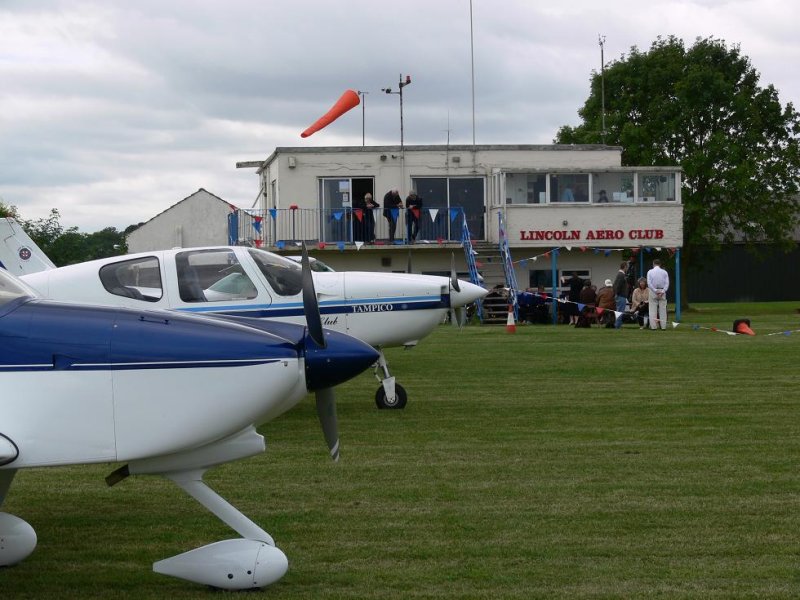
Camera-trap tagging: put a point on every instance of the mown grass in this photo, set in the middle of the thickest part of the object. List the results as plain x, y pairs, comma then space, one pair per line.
552, 463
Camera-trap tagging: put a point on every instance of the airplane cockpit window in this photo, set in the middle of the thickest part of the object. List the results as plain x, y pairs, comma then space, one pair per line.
285, 276
12, 288
139, 279
214, 275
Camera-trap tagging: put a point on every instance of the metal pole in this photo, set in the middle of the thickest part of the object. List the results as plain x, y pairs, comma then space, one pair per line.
401, 112
363, 115
472, 59
678, 285
554, 271
602, 41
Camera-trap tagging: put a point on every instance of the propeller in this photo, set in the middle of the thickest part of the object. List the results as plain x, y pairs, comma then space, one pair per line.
457, 315
453, 277
326, 400
310, 302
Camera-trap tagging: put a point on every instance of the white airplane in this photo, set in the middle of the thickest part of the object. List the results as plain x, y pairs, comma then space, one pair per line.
168, 394
383, 309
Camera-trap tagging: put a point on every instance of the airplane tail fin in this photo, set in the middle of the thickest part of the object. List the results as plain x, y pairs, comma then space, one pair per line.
18, 252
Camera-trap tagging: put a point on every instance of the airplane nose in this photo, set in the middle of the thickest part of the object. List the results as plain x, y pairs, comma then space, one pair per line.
343, 357
469, 293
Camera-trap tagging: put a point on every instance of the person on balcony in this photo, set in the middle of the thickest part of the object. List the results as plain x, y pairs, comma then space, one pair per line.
369, 218
413, 215
392, 201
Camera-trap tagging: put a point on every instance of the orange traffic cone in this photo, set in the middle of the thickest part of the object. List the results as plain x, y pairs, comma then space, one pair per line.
743, 326
511, 326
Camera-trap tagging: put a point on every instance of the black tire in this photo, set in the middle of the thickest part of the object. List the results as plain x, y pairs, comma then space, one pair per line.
401, 398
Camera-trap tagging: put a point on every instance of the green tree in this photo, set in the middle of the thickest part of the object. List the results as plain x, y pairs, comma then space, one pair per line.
67, 247
8, 210
703, 109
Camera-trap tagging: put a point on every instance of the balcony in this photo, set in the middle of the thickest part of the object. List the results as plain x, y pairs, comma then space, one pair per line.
279, 227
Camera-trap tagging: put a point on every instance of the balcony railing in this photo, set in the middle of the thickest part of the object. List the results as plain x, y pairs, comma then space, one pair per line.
277, 227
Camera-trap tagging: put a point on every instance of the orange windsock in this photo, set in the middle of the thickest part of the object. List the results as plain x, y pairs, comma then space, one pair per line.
347, 101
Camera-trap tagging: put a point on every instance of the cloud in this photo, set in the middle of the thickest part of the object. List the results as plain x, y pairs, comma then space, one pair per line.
112, 112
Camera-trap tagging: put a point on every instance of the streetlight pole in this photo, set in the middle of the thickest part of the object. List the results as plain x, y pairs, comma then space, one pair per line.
363, 110
402, 83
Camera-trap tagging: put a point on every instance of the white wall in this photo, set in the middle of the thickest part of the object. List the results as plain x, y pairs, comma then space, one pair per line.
199, 220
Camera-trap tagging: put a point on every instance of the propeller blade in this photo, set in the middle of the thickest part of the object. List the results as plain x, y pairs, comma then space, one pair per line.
453, 278
326, 411
310, 302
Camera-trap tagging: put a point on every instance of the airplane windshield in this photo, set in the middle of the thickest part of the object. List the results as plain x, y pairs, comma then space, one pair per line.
12, 288
285, 276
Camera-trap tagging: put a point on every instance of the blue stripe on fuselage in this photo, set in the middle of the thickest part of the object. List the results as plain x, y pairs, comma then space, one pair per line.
132, 366
331, 307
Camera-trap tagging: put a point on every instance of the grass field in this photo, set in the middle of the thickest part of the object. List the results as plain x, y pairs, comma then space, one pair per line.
552, 463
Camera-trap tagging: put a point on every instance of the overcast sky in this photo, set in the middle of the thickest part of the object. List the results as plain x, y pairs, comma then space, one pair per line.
113, 111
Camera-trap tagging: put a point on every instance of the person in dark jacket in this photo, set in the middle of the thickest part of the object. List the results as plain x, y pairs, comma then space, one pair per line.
391, 201
413, 215
621, 292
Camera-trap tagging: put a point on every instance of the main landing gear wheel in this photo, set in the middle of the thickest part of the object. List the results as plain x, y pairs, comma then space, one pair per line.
398, 402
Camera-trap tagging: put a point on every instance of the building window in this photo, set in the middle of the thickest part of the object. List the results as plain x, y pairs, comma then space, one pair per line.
526, 188
443, 193
569, 188
612, 188
656, 187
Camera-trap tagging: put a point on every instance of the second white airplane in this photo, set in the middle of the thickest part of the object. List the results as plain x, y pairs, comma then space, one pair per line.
382, 309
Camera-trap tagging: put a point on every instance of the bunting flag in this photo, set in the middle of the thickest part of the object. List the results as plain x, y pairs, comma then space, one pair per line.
258, 243
338, 214
569, 248
273, 212
358, 245
280, 245
257, 224
321, 245
440, 240
523, 263
675, 324
359, 213
340, 246
433, 212
454, 213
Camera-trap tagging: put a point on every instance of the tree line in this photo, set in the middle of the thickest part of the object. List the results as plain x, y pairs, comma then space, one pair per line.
69, 246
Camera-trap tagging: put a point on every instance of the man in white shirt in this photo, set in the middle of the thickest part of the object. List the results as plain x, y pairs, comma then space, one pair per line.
657, 285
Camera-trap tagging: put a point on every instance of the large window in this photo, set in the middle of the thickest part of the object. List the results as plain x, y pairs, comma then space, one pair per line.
612, 187
656, 187
569, 188
439, 195
526, 188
